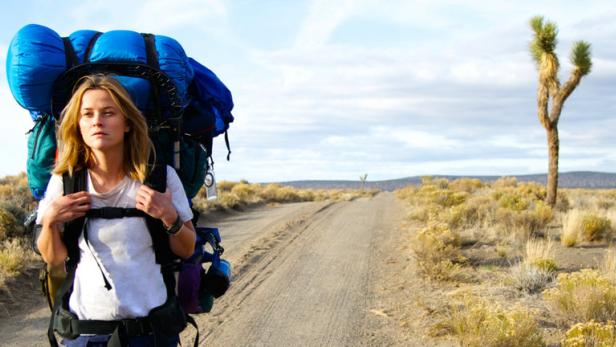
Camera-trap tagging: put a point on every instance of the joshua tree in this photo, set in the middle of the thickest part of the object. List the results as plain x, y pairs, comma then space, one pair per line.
550, 94
363, 179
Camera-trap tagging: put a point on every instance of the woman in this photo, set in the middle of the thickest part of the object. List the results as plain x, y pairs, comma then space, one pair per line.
103, 132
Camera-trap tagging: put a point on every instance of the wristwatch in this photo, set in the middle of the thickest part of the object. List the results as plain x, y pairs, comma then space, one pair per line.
175, 227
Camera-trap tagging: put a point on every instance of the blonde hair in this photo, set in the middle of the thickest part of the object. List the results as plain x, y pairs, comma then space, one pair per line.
75, 154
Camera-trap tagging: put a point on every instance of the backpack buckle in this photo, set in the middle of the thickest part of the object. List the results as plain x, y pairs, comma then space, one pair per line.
136, 326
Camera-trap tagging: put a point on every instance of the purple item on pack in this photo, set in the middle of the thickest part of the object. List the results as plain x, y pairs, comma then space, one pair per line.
188, 287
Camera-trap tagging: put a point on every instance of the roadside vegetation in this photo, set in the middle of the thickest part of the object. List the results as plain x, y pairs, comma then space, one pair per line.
16, 203
510, 270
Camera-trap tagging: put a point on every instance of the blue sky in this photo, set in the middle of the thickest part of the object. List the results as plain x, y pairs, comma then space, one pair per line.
335, 89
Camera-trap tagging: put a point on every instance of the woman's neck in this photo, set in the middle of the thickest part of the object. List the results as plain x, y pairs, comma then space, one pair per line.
107, 170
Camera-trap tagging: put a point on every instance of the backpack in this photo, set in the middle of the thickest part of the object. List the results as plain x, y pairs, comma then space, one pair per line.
185, 105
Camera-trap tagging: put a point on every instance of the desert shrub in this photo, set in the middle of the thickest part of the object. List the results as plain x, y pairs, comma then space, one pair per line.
14, 191
532, 190
582, 296
438, 253
10, 226
407, 193
608, 265
591, 333
15, 255
504, 182
594, 227
247, 193
518, 225
228, 201
604, 204
476, 323
426, 212
448, 198
541, 254
572, 223
543, 213
513, 201
438, 183
225, 186
529, 277
537, 269
562, 202
469, 185
271, 192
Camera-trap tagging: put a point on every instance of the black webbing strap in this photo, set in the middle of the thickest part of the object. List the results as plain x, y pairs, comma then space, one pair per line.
152, 61
72, 230
190, 320
86, 56
69, 53
150, 50
228, 147
114, 213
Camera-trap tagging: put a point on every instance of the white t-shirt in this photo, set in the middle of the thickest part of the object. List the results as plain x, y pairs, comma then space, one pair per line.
123, 248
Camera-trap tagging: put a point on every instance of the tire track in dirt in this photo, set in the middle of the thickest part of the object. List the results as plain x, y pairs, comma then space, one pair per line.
313, 287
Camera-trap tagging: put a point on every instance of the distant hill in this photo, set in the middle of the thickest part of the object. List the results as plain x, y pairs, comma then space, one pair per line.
577, 179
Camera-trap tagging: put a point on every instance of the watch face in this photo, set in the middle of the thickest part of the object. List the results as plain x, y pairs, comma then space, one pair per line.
209, 179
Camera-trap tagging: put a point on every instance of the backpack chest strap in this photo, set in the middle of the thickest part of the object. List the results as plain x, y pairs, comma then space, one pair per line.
114, 213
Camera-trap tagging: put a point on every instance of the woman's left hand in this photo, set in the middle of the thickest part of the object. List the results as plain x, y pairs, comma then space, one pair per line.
156, 204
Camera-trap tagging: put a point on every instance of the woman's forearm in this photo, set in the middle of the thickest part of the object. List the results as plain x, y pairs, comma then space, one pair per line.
50, 244
183, 243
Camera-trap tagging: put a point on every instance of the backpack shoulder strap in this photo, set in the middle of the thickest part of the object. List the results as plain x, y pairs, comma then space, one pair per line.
157, 179
72, 230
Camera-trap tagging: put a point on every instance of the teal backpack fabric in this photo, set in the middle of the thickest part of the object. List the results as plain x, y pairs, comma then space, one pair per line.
41, 155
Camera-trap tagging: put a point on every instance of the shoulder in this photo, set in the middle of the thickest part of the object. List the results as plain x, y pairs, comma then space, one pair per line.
55, 189
172, 176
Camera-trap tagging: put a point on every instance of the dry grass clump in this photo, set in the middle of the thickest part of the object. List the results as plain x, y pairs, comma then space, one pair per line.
407, 193
15, 203
438, 252
476, 323
15, 255
513, 201
505, 181
595, 227
541, 254
469, 185
608, 265
528, 277
591, 334
572, 222
585, 226
520, 225
537, 269
582, 296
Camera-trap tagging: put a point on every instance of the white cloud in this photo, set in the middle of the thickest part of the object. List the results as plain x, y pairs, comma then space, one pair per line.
157, 16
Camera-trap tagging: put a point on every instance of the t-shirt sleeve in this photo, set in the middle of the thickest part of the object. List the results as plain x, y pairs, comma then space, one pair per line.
54, 190
180, 200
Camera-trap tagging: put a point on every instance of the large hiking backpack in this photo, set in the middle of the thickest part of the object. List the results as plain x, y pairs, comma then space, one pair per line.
185, 105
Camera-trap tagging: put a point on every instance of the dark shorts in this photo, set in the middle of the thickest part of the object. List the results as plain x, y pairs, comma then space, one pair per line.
137, 341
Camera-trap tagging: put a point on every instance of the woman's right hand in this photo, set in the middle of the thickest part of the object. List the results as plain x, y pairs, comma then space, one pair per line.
66, 208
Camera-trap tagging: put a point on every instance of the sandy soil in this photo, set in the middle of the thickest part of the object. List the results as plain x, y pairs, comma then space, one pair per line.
305, 274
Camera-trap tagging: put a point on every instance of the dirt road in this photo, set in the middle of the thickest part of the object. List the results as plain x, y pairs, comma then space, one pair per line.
304, 275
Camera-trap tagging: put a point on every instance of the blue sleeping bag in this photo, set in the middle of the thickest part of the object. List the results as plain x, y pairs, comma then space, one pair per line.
37, 57
42, 68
